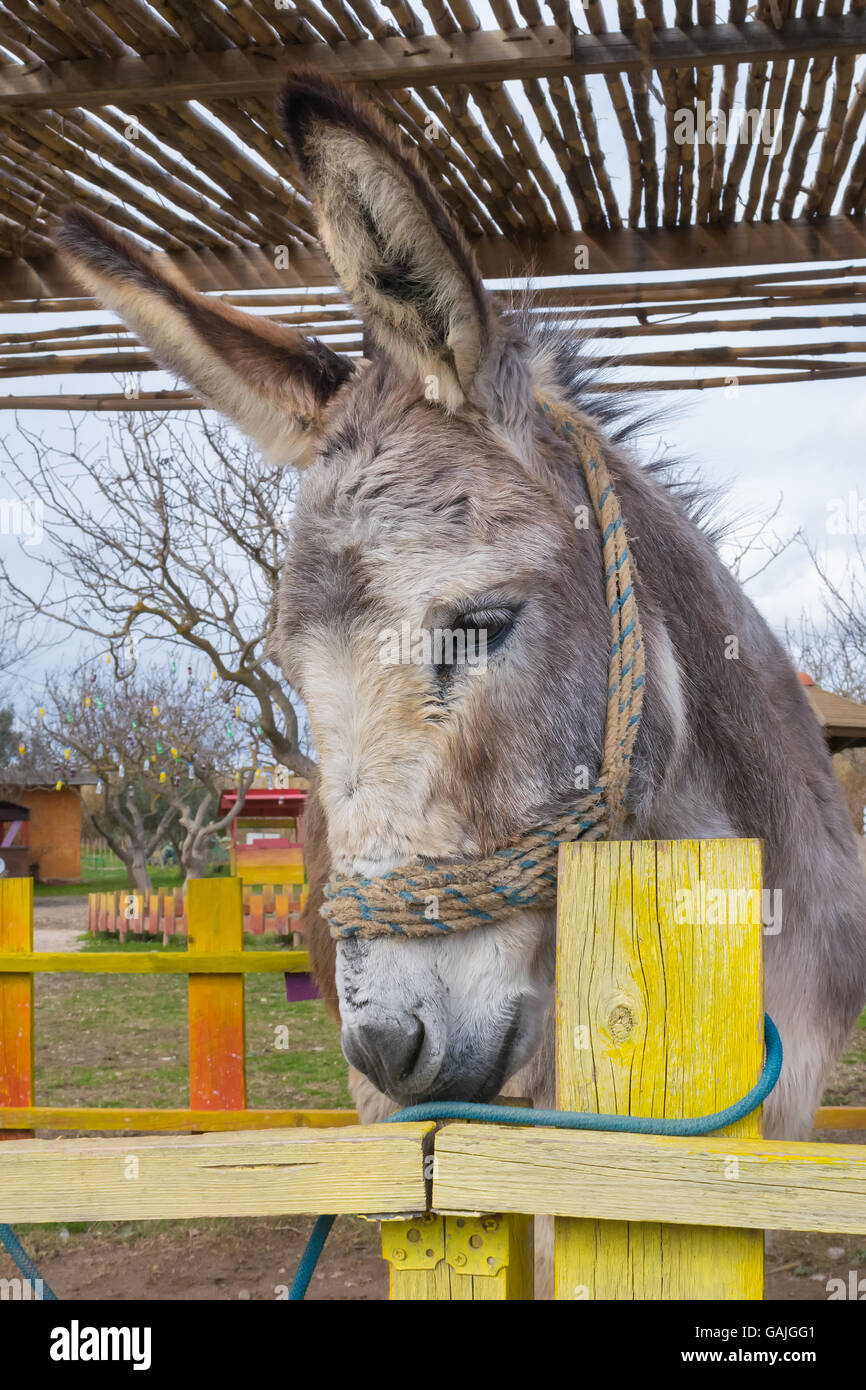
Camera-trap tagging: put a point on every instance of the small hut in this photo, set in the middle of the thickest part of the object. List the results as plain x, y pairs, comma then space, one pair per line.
267, 837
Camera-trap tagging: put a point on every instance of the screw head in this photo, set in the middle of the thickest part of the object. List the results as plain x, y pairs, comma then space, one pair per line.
460, 1260
399, 1255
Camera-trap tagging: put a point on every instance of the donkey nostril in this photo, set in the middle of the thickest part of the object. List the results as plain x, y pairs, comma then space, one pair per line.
388, 1051
414, 1057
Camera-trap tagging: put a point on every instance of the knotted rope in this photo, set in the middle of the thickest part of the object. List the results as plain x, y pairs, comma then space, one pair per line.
431, 896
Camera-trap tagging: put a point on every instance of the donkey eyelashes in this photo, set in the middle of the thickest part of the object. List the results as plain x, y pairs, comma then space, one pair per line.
469, 639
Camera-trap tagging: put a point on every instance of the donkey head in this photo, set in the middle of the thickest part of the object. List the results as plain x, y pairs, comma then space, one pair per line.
442, 610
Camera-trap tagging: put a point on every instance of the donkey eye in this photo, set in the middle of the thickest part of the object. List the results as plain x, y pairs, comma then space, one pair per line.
482, 631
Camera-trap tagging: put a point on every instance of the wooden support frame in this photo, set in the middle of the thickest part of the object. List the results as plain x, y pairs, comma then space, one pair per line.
479, 56
637, 250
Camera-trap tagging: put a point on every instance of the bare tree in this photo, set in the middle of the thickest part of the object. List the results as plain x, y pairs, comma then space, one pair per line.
753, 544
159, 747
834, 651
174, 533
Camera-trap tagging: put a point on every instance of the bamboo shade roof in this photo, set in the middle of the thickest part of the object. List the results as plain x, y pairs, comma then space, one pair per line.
714, 142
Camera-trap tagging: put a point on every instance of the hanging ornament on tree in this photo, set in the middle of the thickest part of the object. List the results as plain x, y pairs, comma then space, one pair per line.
99, 787
99, 704
159, 748
41, 711
155, 709
69, 716
237, 711
173, 667
108, 659
87, 702
58, 786
147, 764
191, 771
229, 731
99, 751
189, 670
174, 753
121, 771
21, 749
67, 754
162, 776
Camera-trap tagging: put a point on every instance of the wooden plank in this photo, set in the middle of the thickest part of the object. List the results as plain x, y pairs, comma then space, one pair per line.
17, 1049
647, 983
255, 921
156, 962
623, 251
840, 1117
217, 1029
754, 1183
434, 60
374, 1169
166, 1121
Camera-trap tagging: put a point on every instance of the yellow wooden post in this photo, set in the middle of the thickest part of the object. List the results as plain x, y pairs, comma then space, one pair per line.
659, 1012
459, 1258
217, 1045
16, 1000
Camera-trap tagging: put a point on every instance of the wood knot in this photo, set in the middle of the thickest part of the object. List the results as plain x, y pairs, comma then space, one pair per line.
620, 1023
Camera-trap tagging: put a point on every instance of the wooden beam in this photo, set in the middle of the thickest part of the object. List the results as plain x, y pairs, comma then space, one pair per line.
153, 1121
154, 962
754, 1183
372, 1169
624, 251
429, 60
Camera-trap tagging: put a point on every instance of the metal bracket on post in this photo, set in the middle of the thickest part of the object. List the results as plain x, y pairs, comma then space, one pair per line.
415, 1244
477, 1244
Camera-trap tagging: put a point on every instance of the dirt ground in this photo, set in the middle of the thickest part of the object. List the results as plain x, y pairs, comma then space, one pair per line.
58, 923
256, 1258
253, 1258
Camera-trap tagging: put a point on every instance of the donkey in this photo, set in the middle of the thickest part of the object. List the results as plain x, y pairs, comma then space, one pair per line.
437, 497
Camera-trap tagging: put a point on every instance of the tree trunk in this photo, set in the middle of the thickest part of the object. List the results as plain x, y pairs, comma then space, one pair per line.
194, 856
138, 873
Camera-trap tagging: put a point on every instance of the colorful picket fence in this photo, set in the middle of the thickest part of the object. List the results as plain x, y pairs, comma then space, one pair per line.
270, 907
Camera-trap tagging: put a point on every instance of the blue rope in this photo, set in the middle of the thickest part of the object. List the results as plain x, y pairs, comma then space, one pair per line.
20, 1258
563, 1119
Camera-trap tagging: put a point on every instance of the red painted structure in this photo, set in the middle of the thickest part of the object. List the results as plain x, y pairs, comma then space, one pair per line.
267, 847
266, 810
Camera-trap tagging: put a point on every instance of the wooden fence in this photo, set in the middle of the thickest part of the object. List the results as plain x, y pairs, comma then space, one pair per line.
659, 1012
270, 907
216, 964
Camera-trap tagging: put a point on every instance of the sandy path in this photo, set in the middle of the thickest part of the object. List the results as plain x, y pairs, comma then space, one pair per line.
58, 922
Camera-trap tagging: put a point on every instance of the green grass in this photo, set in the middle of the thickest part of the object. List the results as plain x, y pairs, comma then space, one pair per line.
122, 1040
105, 881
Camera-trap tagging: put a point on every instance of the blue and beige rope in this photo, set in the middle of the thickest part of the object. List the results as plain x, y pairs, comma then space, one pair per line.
432, 896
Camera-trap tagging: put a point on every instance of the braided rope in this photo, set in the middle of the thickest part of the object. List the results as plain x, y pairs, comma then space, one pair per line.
427, 897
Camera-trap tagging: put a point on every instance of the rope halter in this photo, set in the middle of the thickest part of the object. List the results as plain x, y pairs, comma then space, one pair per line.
431, 896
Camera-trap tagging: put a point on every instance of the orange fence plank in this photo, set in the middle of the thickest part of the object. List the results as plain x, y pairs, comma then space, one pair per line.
217, 1044
16, 1000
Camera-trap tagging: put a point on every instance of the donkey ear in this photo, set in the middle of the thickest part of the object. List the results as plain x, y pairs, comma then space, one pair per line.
270, 380
401, 259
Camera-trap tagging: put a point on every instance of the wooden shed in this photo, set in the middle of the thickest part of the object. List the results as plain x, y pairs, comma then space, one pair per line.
843, 721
